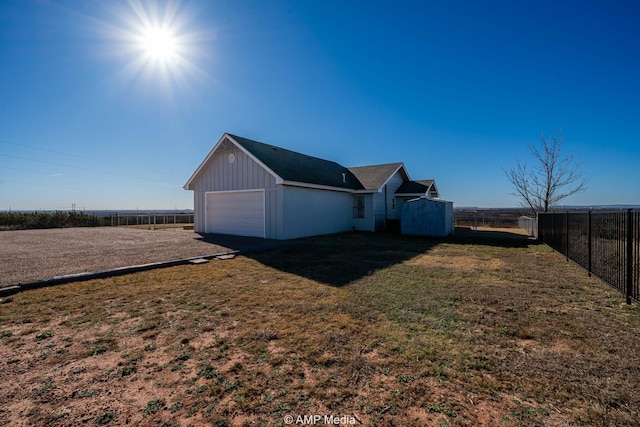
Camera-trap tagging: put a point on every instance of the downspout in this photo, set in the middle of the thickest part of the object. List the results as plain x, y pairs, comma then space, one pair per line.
386, 211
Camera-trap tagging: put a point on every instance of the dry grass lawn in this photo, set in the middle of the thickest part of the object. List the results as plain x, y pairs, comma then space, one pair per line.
381, 330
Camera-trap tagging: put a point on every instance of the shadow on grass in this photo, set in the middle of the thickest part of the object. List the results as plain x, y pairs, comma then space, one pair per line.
488, 237
248, 244
339, 259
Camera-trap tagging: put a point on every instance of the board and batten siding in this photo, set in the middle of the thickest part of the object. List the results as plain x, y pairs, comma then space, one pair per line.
379, 215
392, 186
219, 174
310, 212
383, 206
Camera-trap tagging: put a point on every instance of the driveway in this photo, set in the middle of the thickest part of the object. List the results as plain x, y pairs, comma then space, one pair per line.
32, 255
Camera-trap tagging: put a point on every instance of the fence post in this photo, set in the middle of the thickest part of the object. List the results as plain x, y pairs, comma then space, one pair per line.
566, 237
553, 232
589, 246
629, 255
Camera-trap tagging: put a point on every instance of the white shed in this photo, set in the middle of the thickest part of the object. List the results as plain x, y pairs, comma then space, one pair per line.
426, 217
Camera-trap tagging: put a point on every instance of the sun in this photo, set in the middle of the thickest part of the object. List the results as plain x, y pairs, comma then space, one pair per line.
159, 44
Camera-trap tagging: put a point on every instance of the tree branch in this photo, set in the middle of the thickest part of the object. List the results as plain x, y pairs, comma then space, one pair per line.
552, 178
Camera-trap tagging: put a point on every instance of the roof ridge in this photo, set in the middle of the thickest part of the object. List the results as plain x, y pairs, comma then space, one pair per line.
284, 149
294, 166
376, 165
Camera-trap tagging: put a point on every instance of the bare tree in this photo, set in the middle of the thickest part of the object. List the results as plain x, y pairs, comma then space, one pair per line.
553, 177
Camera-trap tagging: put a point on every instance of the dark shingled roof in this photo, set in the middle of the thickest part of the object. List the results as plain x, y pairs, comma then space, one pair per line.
297, 167
372, 177
415, 187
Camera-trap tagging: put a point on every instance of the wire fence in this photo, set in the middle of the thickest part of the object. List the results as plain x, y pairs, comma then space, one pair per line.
475, 221
152, 221
606, 243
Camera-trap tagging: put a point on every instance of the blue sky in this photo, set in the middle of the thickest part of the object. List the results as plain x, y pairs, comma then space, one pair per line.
454, 89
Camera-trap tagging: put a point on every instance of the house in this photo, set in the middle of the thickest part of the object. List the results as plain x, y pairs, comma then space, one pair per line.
248, 188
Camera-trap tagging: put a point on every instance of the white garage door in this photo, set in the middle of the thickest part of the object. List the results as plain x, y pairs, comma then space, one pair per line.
239, 213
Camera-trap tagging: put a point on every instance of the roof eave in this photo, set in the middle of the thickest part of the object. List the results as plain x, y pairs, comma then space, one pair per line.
319, 186
411, 194
188, 185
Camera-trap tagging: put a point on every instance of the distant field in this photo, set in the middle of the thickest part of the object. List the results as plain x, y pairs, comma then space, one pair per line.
495, 218
490, 329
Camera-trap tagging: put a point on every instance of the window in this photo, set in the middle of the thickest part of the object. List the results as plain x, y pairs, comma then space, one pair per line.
393, 204
358, 206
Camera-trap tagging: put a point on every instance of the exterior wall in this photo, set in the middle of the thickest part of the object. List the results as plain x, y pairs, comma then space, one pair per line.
243, 174
391, 187
380, 216
383, 206
367, 223
424, 217
310, 212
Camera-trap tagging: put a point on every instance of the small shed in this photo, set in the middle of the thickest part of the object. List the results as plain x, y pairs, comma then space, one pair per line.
530, 225
427, 217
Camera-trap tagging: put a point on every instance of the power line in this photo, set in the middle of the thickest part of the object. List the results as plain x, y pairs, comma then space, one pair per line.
86, 158
76, 176
80, 168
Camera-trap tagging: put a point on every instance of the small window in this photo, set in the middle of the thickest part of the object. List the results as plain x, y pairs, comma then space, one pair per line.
393, 204
358, 206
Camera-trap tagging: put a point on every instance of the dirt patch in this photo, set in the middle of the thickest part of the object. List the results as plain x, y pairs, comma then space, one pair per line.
30, 255
457, 261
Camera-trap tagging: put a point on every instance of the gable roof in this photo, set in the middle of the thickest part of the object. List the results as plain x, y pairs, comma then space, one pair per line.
288, 167
298, 167
292, 168
419, 187
375, 176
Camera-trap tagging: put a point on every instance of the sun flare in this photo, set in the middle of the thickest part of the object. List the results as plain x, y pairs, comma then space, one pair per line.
159, 44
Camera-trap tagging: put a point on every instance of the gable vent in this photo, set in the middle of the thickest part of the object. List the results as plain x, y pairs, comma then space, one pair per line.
344, 177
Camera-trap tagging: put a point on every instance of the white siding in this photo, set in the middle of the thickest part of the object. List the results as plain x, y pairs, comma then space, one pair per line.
310, 212
366, 223
383, 206
243, 174
379, 214
392, 186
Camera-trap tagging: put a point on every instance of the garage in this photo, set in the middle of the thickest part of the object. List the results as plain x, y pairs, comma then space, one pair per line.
239, 213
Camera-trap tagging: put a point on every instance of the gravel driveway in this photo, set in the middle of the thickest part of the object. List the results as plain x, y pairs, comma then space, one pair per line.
30, 255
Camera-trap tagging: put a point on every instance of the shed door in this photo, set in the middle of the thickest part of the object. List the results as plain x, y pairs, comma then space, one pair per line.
239, 213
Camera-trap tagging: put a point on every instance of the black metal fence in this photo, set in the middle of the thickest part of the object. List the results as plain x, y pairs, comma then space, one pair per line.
606, 243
